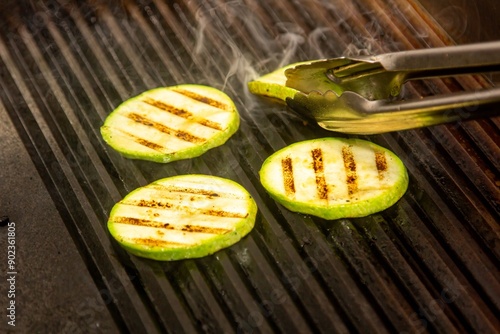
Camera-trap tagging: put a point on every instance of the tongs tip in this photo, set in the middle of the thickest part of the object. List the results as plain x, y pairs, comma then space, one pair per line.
309, 77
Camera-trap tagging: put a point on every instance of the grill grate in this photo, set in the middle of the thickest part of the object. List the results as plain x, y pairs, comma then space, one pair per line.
428, 263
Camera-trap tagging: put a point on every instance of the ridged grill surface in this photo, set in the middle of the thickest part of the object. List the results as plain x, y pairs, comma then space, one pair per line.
429, 263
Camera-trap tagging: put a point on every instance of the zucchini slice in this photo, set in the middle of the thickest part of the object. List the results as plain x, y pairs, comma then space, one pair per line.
171, 123
335, 178
181, 217
273, 84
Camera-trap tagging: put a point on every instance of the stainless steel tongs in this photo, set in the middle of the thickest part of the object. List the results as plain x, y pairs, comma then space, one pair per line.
359, 94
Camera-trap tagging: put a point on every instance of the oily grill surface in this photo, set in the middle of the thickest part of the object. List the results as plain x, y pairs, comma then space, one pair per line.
428, 264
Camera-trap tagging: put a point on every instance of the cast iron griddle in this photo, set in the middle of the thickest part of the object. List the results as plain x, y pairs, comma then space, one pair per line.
430, 263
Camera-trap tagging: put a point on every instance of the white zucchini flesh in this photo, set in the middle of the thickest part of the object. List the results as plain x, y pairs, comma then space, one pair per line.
335, 178
181, 217
171, 123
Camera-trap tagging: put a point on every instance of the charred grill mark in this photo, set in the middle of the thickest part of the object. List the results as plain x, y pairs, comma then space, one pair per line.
145, 142
141, 222
288, 180
223, 213
195, 191
319, 172
166, 206
350, 169
204, 229
149, 144
210, 124
203, 99
381, 162
167, 226
182, 113
186, 136
168, 108
153, 204
156, 242
189, 137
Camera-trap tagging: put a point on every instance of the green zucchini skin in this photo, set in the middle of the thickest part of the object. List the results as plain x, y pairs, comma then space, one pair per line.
171, 123
182, 217
335, 178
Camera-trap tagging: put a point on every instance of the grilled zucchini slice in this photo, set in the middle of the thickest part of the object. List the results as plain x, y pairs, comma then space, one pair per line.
171, 123
181, 217
335, 178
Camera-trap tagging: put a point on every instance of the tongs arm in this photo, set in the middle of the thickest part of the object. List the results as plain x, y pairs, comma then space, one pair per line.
381, 76
465, 102
444, 61
352, 113
352, 95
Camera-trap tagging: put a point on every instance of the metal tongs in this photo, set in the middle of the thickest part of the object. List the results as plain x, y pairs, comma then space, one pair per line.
359, 94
